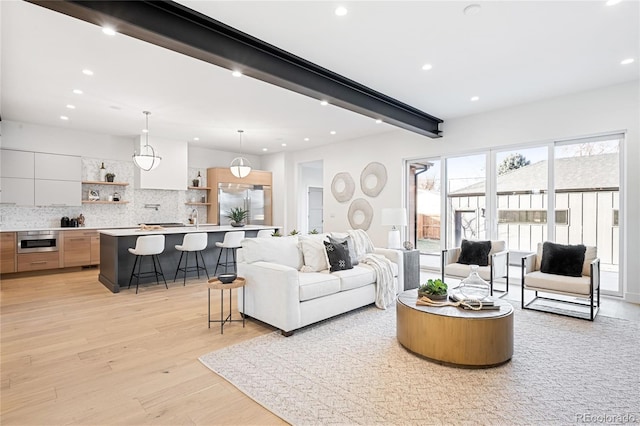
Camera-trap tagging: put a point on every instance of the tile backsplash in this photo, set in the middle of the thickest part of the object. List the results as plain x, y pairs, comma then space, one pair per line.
171, 205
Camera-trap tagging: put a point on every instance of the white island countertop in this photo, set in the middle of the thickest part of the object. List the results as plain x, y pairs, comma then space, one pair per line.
183, 230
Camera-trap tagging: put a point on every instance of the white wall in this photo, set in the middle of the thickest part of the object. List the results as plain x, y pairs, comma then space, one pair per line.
609, 109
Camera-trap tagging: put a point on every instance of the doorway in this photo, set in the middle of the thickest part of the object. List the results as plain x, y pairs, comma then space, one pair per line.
314, 209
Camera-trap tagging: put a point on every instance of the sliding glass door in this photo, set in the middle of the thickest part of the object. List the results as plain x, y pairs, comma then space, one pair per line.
521, 196
587, 198
466, 199
513, 203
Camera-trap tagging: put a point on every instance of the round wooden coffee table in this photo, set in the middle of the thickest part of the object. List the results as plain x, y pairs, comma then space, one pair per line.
454, 336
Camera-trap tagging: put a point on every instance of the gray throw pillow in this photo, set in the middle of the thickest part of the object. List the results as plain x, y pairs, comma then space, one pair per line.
352, 250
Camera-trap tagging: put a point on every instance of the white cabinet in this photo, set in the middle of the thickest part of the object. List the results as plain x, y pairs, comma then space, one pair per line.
17, 164
35, 178
16, 180
57, 167
17, 191
172, 172
57, 193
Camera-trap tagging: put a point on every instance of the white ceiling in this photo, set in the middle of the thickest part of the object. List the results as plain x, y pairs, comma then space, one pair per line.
512, 52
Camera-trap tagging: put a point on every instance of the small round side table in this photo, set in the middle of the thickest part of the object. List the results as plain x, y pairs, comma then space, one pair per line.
215, 284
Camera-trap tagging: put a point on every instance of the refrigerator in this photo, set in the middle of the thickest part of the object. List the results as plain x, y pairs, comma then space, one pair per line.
254, 198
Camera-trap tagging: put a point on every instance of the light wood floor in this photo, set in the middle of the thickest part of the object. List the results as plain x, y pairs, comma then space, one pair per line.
74, 353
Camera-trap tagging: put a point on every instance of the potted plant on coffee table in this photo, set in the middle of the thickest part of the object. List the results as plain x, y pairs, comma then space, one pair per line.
433, 289
237, 216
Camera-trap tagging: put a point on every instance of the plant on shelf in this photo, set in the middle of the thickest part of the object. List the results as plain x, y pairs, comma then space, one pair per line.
433, 289
294, 232
195, 182
110, 177
276, 233
237, 216
313, 231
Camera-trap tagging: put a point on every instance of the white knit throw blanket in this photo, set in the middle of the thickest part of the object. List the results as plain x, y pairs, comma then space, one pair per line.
385, 284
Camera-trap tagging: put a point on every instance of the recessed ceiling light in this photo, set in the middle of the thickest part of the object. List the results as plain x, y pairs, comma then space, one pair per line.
612, 2
109, 31
427, 67
333, 132
475, 98
145, 130
284, 144
87, 72
472, 9
196, 139
77, 91
236, 74
378, 121
324, 103
627, 61
265, 149
64, 117
306, 139
71, 106
341, 11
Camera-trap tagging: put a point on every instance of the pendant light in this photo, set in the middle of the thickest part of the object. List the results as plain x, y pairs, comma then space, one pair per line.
240, 166
146, 159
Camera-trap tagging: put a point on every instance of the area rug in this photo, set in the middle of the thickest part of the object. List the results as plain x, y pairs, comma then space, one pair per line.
352, 370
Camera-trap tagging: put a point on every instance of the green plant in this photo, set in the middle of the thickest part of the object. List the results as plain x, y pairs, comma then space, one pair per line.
436, 287
237, 214
110, 177
276, 233
294, 232
313, 231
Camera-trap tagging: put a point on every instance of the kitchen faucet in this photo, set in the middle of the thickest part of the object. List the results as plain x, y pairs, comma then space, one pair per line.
194, 210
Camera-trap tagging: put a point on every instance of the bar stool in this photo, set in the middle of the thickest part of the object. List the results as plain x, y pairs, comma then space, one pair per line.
231, 242
264, 233
193, 242
147, 245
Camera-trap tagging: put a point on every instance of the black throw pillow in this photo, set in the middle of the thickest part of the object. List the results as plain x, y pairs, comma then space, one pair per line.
560, 259
352, 250
338, 254
474, 252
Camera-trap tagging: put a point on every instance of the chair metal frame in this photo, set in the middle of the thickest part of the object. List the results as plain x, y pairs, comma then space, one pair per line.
528, 263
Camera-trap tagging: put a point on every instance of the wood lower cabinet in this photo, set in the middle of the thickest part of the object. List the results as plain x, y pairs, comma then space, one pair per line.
80, 248
37, 261
7, 252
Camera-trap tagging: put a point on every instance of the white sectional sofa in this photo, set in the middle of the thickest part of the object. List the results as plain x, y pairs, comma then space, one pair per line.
279, 293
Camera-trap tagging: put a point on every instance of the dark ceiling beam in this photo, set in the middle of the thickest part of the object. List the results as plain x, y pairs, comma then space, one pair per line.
183, 30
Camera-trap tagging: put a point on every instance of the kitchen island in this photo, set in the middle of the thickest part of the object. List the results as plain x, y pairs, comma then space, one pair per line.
116, 262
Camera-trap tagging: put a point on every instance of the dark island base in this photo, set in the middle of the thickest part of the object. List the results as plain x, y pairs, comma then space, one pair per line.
116, 262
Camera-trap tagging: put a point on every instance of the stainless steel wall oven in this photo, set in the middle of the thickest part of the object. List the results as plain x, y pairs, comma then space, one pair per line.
37, 241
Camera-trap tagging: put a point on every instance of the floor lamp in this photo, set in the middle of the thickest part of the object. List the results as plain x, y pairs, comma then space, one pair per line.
395, 217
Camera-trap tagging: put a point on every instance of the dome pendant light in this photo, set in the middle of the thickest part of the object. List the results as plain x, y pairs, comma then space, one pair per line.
240, 166
146, 159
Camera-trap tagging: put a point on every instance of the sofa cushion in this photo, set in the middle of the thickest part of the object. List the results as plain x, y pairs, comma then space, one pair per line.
462, 271
559, 283
474, 252
314, 255
317, 284
358, 276
338, 254
281, 250
562, 259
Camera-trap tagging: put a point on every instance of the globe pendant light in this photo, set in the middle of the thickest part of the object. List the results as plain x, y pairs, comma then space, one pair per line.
240, 166
146, 159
